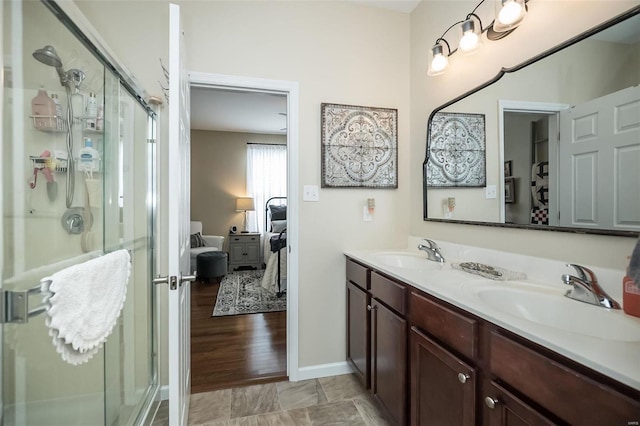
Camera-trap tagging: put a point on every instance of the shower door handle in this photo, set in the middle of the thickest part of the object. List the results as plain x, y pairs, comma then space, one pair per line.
189, 278
172, 280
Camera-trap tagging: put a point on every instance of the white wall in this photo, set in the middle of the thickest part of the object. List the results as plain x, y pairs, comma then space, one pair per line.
567, 18
338, 52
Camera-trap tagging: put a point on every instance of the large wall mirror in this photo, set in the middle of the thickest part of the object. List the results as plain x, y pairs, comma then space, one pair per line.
561, 137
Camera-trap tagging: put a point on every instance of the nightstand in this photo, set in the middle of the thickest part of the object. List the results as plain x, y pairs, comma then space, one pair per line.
244, 251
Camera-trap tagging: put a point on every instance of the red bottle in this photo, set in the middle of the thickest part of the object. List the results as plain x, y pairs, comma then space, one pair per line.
630, 296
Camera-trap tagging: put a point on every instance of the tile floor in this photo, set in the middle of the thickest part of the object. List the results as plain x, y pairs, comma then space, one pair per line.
337, 400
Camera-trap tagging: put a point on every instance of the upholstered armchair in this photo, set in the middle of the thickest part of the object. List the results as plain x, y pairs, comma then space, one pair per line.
202, 244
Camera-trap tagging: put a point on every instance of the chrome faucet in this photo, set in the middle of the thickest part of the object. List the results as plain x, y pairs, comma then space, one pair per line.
432, 250
586, 288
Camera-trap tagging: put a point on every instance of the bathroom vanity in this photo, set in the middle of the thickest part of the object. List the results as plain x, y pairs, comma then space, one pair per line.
431, 351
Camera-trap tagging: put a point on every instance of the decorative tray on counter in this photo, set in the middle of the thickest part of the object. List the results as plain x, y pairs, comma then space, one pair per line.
487, 271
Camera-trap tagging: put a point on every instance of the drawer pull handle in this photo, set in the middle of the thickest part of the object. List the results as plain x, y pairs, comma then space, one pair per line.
369, 307
491, 402
462, 378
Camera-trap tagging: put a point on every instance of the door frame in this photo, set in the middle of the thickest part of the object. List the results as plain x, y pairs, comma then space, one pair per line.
524, 107
290, 89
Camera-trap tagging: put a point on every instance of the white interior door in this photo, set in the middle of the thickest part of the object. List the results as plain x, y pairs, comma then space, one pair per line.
600, 162
178, 226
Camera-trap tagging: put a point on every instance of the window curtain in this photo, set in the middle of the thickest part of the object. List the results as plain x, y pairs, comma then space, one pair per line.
266, 178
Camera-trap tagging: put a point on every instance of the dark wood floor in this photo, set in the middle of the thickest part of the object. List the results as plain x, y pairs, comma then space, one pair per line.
234, 350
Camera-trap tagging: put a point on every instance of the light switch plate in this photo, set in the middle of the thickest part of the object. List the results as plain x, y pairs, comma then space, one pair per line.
490, 192
310, 193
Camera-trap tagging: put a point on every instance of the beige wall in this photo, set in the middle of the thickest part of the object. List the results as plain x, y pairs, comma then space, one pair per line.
338, 52
567, 18
219, 175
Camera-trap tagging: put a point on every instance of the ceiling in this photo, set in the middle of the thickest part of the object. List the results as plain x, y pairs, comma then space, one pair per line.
251, 112
238, 111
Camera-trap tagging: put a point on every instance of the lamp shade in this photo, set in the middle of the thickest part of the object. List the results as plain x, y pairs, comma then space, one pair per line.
244, 204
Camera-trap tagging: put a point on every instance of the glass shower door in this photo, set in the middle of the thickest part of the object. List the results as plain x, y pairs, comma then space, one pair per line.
49, 222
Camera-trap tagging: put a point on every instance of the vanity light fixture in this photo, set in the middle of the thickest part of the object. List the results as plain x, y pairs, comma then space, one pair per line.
470, 41
507, 14
438, 60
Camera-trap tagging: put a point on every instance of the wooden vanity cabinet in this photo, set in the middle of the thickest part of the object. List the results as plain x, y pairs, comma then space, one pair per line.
377, 338
389, 347
443, 387
428, 362
444, 348
503, 408
358, 321
572, 393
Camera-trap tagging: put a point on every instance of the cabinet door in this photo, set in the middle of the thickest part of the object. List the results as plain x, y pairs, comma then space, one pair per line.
443, 388
505, 409
237, 252
389, 361
253, 252
358, 323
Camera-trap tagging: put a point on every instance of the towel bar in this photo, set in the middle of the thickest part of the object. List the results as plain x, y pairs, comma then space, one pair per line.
14, 305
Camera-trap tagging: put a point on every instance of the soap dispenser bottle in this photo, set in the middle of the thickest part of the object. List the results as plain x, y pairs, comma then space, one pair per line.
89, 157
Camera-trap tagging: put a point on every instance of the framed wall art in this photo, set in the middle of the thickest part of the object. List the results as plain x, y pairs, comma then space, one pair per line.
359, 146
509, 190
457, 150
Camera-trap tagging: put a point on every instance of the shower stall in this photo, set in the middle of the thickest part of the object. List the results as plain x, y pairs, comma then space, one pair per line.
77, 174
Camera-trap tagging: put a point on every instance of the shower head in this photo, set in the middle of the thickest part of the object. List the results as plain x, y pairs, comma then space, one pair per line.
48, 56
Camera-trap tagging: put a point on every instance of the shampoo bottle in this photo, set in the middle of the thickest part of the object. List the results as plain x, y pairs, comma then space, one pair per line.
91, 112
43, 108
89, 157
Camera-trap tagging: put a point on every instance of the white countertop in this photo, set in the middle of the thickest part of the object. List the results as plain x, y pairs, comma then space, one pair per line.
618, 359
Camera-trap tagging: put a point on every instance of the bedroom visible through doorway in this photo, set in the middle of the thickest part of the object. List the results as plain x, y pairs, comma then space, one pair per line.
237, 348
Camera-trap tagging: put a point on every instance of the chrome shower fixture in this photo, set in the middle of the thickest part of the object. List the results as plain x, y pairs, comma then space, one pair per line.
71, 78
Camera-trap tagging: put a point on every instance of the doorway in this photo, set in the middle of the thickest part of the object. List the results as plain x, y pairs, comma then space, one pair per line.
252, 348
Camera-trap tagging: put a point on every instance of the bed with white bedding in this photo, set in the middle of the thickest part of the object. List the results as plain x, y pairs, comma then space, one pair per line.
275, 246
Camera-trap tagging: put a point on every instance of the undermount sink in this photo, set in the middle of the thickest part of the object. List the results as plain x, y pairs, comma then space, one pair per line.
549, 307
407, 260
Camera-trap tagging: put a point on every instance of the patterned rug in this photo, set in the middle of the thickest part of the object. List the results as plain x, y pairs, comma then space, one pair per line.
240, 293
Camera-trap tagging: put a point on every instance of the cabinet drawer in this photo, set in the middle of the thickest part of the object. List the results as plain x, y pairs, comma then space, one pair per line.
389, 292
357, 274
450, 327
241, 239
549, 383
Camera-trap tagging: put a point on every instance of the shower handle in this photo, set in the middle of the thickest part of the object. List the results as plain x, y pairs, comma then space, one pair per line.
173, 281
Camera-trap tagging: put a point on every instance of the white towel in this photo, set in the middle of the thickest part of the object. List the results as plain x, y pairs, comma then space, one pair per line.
84, 302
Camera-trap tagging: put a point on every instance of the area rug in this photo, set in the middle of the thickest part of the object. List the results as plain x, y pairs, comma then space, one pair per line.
241, 293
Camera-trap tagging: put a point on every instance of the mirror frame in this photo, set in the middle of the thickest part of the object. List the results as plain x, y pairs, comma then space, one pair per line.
622, 17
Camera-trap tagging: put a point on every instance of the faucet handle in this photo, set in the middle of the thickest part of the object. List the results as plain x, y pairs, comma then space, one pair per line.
585, 273
432, 244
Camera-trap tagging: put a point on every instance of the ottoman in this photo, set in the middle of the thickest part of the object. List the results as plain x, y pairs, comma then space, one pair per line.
211, 264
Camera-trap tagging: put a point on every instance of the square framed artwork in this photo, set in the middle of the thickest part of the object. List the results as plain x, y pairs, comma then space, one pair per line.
457, 150
359, 146
509, 190
508, 165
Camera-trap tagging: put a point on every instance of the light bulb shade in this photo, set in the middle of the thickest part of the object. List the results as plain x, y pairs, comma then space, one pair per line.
470, 40
245, 204
438, 60
509, 14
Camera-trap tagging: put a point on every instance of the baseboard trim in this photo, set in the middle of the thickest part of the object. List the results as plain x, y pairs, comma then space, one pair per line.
324, 370
164, 392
